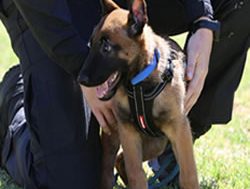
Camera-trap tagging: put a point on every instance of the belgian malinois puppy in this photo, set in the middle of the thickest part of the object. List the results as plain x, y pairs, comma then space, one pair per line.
131, 64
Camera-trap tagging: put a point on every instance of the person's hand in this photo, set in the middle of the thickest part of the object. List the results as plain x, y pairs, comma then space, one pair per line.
198, 54
103, 110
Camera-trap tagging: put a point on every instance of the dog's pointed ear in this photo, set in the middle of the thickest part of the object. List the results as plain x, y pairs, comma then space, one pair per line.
137, 17
108, 6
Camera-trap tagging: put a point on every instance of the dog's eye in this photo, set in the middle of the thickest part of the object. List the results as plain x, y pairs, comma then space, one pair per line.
106, 46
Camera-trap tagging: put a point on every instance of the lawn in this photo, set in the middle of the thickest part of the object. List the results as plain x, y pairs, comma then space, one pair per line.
222, 155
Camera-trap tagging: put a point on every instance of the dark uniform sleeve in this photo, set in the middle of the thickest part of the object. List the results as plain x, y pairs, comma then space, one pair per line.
50, 23
197, 8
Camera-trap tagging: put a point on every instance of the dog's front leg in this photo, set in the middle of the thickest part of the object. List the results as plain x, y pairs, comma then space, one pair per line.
110, 147
180, 137
132, 151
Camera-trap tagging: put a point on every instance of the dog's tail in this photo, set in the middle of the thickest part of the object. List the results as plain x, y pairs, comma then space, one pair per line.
11, 98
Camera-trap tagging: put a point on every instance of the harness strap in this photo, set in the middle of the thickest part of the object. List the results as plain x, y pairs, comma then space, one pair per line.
141, 103
166, 77
142, 111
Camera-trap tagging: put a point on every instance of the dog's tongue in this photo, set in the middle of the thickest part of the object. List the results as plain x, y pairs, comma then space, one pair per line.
104, 88
101, 90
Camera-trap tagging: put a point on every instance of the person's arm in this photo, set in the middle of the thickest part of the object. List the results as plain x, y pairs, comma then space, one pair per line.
198, 49
198, 55
50, 23
196, 9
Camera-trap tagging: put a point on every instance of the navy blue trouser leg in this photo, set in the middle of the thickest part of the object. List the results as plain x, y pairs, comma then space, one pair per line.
24, 159
59, 144
62, 155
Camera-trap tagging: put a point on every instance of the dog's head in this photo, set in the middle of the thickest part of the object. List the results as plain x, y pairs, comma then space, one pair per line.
115, 46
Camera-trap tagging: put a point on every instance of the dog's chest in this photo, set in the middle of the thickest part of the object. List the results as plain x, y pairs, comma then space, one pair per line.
154, 112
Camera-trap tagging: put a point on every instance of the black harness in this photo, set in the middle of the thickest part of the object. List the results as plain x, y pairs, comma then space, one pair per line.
141, 101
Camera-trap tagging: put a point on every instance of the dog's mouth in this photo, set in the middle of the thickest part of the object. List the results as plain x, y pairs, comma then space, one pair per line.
107, 90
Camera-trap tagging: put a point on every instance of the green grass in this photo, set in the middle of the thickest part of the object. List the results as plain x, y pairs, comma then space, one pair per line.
7, 57
222, 155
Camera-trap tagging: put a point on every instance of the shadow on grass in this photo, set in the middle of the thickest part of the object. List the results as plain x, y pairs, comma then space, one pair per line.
205, 183
209, 183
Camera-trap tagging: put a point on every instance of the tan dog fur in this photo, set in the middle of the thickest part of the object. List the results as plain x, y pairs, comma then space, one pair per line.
168, 108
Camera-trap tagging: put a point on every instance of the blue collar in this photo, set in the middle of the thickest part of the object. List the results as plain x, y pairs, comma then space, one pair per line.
148, 70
